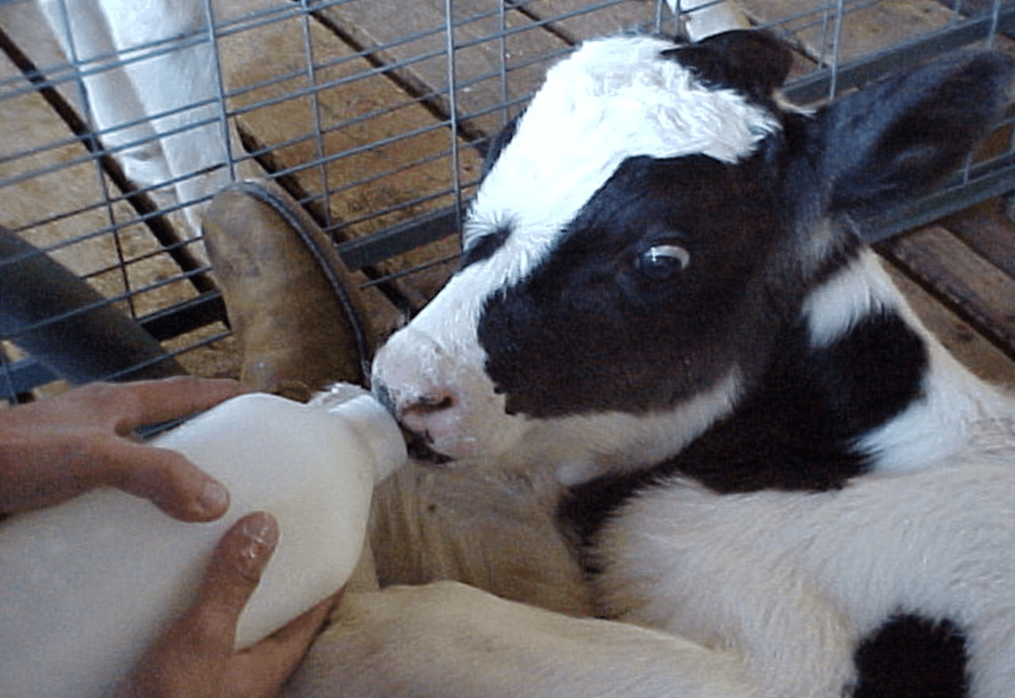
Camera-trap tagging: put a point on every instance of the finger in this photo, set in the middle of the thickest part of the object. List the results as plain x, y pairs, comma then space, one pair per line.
151, 402
194, 654
209, 625
55, 449
63, 468
237, 564
170, 481
309, 624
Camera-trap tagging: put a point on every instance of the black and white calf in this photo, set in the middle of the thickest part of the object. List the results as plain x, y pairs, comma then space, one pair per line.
694, 394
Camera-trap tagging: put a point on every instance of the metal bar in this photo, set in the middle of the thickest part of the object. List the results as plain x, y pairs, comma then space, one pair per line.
399, 239
815, 86
313, 90
453, 125
942, 203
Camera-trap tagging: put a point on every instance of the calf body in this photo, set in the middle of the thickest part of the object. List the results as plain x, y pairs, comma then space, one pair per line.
670, 368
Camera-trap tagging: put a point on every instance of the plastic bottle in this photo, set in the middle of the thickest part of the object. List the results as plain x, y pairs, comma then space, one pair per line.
87, 586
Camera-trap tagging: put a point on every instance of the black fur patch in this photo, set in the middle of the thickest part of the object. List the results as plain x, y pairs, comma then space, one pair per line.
752, 62
484, 247
912, 657
588, 331
796, 430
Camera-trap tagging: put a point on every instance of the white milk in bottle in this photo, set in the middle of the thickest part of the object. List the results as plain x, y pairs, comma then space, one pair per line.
87, 586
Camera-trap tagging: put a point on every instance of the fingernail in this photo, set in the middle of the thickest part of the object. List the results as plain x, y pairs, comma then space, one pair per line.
262, 536
262, 529
214, 498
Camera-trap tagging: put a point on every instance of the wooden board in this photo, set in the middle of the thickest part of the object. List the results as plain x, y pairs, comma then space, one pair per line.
24, 23
974, 288
989, 231
53, 192
866, 27
489, 70
577, 20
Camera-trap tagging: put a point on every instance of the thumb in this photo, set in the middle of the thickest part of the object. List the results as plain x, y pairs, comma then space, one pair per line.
192, 658
238, 561
230, 579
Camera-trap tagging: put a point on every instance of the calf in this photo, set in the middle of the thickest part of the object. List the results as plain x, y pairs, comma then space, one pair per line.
698, 402
150, 78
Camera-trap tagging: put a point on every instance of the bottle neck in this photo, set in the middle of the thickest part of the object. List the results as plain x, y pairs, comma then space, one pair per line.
378, 430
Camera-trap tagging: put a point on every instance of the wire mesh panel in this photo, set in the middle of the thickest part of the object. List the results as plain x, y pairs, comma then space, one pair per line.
122, 120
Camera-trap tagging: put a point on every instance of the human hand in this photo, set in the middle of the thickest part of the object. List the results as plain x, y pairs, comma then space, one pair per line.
55, 449
195, 657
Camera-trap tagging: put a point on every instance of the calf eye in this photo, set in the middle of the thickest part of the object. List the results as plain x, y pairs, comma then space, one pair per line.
662, 262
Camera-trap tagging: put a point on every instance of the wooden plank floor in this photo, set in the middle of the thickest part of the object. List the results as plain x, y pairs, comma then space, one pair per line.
959, 277
366, 140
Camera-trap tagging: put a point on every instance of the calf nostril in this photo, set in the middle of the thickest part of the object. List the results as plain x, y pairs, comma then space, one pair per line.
384, 396
429, 404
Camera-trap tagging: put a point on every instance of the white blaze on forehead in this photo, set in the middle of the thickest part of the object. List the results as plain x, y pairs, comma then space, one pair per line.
611, 100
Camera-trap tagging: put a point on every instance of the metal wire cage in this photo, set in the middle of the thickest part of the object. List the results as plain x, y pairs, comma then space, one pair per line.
121, 123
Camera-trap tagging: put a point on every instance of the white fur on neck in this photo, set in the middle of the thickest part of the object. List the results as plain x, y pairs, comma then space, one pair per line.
584, 447
852, 294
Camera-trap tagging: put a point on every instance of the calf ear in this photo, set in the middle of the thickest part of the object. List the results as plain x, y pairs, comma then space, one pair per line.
898, 138
751, 61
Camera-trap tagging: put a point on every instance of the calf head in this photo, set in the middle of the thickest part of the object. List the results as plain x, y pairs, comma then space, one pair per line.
645, 233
